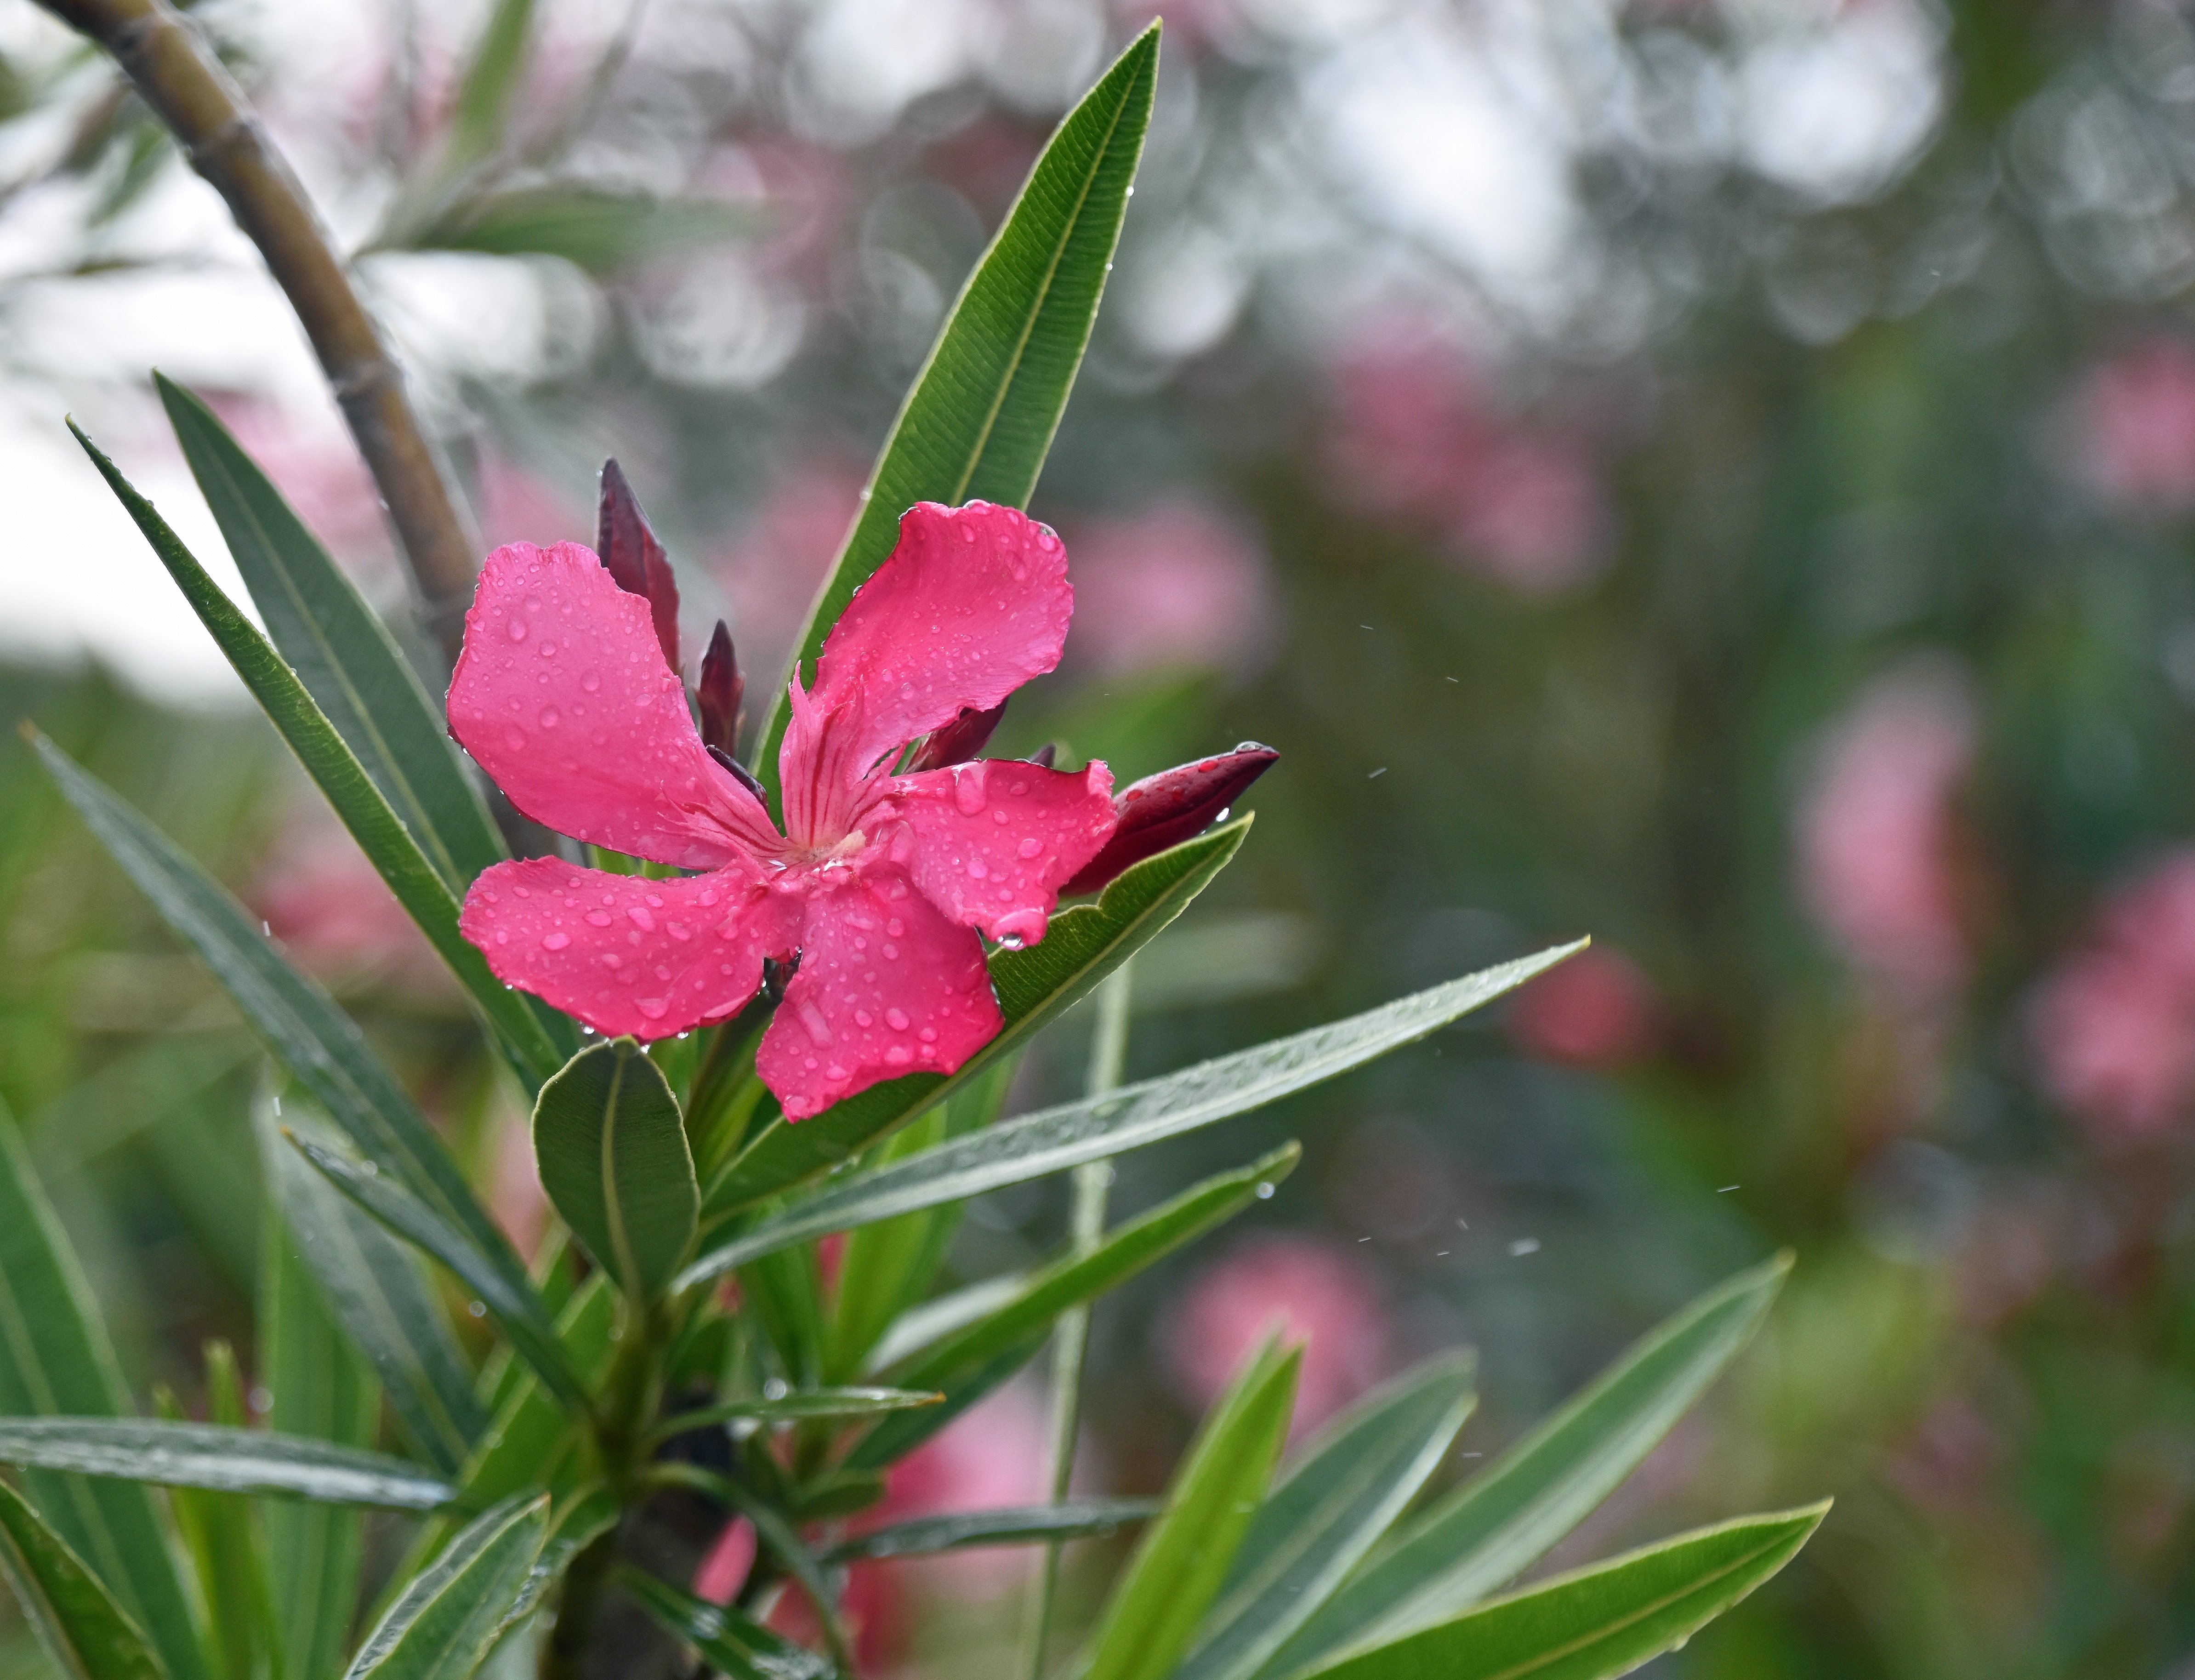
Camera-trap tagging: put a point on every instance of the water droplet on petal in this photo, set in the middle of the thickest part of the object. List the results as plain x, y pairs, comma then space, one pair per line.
557, 941
812, 1019
897, 1055
548, 717
896, 1020
641, 919
976, 870
591, 681
1030, 847
517, 627
600, 918
862, 1018
515, 738
653, 1007
894, 927
891, 953
968, 788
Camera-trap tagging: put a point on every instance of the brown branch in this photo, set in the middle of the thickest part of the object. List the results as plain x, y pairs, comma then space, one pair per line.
177, 74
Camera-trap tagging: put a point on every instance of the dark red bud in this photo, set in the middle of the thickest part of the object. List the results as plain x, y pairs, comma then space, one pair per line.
627, 546
719, 692
1044, 754
1167, 808
746, 776
960, 740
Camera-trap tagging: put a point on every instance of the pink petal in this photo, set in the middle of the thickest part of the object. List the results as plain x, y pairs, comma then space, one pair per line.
972, 603
626, 955
991, 843
724, 1571
886, 985
563, 696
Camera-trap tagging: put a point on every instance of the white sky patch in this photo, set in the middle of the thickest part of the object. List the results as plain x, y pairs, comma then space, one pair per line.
1836, 111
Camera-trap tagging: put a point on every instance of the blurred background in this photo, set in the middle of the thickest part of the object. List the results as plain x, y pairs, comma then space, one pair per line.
1713, 474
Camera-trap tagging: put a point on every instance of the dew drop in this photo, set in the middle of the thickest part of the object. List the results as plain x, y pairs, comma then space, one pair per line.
517, 627
891, 953
653, 1007
600, 918
1264, 1192
548, 717
812, 1019
591, 681
968, 788
928, 1035
894, 927
515, 738
557, 941
896, 1020
897, 1055
639, 916
998, 817
1030, 847
862, 1018
976, 870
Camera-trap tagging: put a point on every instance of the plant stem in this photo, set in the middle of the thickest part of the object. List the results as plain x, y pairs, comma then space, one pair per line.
1109, 1049
177, 75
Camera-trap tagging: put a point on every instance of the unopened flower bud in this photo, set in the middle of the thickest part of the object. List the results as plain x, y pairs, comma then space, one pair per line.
626, 545
960, 740
747, 776
719, 692
1169, 808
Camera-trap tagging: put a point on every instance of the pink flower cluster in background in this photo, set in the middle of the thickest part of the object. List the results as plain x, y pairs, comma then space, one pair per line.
770, 571
1180, 585
1417, 436
1877, 839
2113, 1030
2133, 421
1314, 1293
1595, 1010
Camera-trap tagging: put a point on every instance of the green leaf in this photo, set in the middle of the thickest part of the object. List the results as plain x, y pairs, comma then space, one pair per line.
514, 1307
1328, 1512
82, 1629
602, 232
442, 1626
890, 1266
380, 1295
339, 648
384, 836
1094, 1127
54, 1358
776, 1535
971, 1363
491, 82
221, 1530
318, 1385
729, 1643
225, 1460
1036, 986
1491, 1529
926, 1325
980, 416
800, 1406
320, 1046
1179, 1566
612, 1146
783, 1293
1597, 1622
1017, 1525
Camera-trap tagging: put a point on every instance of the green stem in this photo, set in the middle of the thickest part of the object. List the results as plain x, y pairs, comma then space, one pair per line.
1109, 1049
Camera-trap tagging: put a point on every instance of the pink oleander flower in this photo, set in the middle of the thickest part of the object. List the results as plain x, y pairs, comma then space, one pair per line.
1322, 1297
2133, 423
1180, 585
879, 884
1596, 1011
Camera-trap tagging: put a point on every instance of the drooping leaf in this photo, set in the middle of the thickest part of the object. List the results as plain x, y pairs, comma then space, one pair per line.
1055, 1139
1018, 1525
612, 1148
318, 1385
382, 834
1599, 1622
377, 1292
1035, 987
225, 1460
442, 1626
54, 1358
1328, 1512
300, 1024
84, 1631
515, 1307
601, 231
979, 419
1490, 1530
1184, 1555
968, 1365
798, 1407
731, 1644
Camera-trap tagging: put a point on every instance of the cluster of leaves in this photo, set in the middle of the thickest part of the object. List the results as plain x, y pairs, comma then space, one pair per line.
630, 1390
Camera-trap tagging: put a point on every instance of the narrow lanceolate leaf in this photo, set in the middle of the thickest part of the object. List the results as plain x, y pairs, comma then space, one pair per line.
339, 648
1597, 1622
1332, 1509
225, 1460
612, 1148
54, 1358
729, 1642
800, 1406
1178, 1566
1055, 1139
220, 1530
320, 1046
980, 415
321, 1386
375, 1288
1018, 1525
445, 1622
602, 231
383, 832
515, 1308
1036, 986
969, 1364
1492, 1529
585, 1520
84, 1631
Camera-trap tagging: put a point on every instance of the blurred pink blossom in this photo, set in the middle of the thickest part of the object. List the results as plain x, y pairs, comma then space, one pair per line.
1323, 1297
2134, 420
335, 916
515, 1197
2113, 1029
518, 505
771, 570
1877, 835
317, 467
1593, 1010
1416, 437
723, 1571
1179, 584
